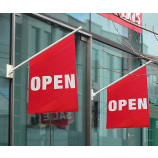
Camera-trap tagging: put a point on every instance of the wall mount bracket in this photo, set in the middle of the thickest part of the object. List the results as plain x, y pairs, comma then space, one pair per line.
8, 71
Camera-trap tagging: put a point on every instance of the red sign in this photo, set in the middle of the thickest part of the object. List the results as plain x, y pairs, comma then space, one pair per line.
59, 120
53, 80
133, 17
127, 102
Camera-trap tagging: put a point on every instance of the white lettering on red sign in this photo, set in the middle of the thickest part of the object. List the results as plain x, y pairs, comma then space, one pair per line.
133, 17
141, 103
57, 80
38, 84
72, 81
122, 103
47, 80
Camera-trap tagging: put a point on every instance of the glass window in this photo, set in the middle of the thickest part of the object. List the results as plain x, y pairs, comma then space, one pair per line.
4, 82
31, 37
100, 78
75, 19
58, 129
105, 27
149, 20
73, 133
150, 135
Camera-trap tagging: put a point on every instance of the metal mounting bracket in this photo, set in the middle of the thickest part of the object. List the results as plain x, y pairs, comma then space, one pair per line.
92, 94
8, 70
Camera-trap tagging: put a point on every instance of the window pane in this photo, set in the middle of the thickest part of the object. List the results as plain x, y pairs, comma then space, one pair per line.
101, 78
149, 41
4, 82
31, 36
150, 135
75, 19
73, 132
106, 28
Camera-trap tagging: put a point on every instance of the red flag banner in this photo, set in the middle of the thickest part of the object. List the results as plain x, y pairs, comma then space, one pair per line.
127, 102
53, 80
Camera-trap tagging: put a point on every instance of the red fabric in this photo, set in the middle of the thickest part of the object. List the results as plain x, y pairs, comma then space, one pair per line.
124, 23
131, 87
57, 60
60, 120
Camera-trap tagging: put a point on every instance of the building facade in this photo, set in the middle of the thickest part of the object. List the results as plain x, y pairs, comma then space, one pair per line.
23, 35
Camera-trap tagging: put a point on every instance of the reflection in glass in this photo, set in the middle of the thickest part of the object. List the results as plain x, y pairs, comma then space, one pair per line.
59, 120
67, 128
4, 82
75, 19
31, 37
150, 135
71, 130
149, 20
101, 78
105, 28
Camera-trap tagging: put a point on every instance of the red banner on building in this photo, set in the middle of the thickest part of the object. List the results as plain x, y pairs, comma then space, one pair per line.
53, 80
60, 120
127, 102
135, 18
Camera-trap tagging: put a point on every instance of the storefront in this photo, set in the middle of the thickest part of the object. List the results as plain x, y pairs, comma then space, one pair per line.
23, 35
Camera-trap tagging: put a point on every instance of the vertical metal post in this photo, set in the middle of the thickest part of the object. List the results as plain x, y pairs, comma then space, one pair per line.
11, 103
88, 99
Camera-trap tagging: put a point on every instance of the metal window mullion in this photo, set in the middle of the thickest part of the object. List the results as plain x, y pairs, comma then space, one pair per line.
88, 92
11, 103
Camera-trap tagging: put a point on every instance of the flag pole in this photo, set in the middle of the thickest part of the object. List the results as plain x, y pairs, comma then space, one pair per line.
94, 94
10, 69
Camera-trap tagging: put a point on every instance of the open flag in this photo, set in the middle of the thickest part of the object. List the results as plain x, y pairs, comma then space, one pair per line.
53, 80
127, 102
